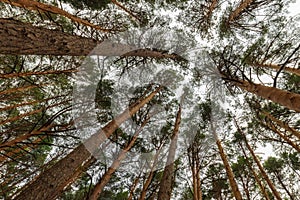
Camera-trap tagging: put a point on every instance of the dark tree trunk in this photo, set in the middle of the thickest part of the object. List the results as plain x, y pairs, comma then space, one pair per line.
19, 38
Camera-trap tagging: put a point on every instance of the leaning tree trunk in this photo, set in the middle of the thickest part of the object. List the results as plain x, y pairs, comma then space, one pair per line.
238, 10
235, 190
282, 124
257, 179
151, 174
263, 172
19, 38
50, 183
114, 166
282, 97
277, 67
165, 188
41, 7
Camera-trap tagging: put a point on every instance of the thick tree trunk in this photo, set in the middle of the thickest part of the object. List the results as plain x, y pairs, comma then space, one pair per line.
41, 7
19, 38
52, 182
115, 165
165, 188
282, 97
235, 190
232, 182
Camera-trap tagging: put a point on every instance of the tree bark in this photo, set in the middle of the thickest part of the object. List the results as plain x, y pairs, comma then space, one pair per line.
50, 183
41, 7
277, 67
165, 188
282, 124
150, 175
238, 10
235, 190
263, 172
19, 38
282, 97
114, 166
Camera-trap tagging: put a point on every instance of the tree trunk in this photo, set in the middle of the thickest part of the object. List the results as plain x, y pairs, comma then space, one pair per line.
41, 7
19, 38
257, 179
22, 74
237, 11
235, 190
50, 183
282, 97
276, 67
132, 188
263, 172
115, 165
165, 188
284, 187
282, 124
150, 176
281, 135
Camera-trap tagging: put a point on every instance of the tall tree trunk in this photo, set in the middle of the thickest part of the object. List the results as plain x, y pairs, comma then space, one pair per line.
282, 97
282, 124
51, 182
150, 175
114, 166
281, 135
284, 186
41, 7
194, 162
235, 190
277, 67
165, 188
22, 74
19, 38
132, 188
238, 10
257, 179
263, 172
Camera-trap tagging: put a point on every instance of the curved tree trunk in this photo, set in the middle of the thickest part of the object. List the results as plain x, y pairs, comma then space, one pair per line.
165, 188
50, 183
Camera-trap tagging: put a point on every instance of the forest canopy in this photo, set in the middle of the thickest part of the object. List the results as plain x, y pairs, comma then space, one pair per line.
149, 99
